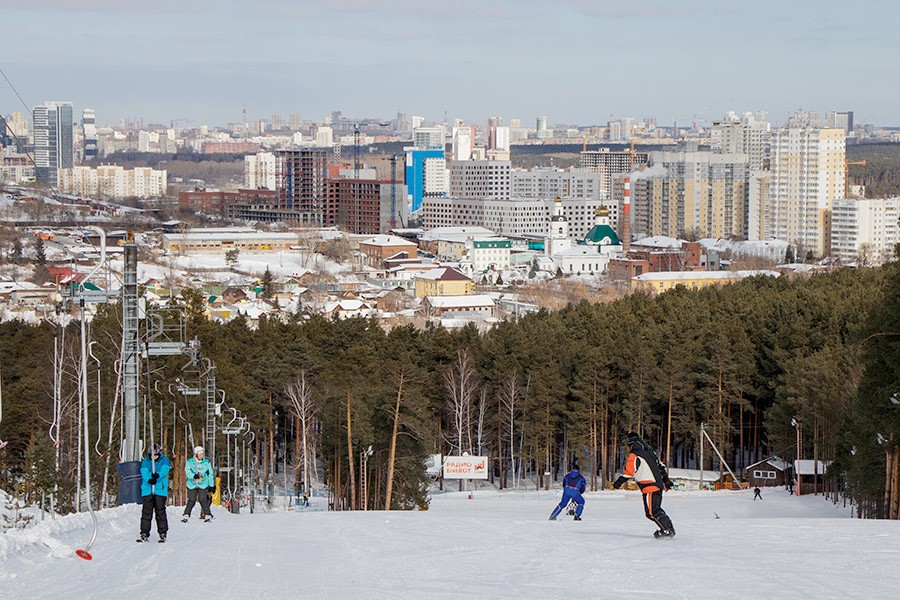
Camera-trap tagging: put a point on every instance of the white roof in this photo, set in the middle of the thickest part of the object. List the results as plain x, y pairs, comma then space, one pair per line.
658, 241
468, 301
579, 251
693, 474
230, 235
443, 233
346, 305
707, 275
809, 467
776, 462
386, 240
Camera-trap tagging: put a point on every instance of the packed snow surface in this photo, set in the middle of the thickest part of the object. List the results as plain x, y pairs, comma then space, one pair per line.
496, 545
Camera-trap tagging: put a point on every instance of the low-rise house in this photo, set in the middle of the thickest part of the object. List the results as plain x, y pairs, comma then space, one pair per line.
767, 473
480, 305
443, 281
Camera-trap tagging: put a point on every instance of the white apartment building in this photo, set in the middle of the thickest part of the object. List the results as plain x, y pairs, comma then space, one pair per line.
807, 177
512, 217
463, 140
746, 136
324, 137
865, 230
437, 177
113, 182
480, 179
547, 182
259, 171
429, 137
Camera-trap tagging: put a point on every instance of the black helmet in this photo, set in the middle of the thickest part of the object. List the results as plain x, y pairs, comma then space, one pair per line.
632, 439
155, 450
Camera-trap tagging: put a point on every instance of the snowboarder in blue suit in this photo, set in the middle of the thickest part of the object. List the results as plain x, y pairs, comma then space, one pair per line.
154, 492
574, 486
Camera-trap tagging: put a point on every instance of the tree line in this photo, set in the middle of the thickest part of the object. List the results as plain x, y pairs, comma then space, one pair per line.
750, 360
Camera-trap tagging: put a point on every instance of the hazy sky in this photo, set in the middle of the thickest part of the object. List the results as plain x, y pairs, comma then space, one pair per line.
576, 61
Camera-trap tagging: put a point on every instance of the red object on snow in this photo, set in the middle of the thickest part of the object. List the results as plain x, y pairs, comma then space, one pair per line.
84, 554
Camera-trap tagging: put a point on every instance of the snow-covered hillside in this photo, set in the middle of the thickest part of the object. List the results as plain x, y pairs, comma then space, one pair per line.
493, 546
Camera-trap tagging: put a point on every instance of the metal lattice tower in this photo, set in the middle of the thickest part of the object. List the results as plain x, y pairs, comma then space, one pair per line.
211, 396
131, 450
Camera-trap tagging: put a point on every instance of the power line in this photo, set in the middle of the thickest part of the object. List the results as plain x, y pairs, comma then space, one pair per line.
15, 91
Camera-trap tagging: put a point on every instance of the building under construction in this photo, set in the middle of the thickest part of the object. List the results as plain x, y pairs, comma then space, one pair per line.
300, 180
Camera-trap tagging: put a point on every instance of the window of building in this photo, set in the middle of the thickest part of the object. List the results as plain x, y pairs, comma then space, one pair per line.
764, 474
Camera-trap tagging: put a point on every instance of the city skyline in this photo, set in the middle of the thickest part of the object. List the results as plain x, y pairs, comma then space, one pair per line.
580, 62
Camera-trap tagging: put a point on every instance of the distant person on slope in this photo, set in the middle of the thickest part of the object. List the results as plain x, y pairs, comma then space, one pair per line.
652, 477
199, 479
154, 492
574, 486
756, 494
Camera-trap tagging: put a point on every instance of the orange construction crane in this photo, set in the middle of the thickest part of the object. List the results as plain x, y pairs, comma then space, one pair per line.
847, 164
633, 129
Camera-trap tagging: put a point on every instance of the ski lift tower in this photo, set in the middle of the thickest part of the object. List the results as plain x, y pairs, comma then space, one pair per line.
130, 466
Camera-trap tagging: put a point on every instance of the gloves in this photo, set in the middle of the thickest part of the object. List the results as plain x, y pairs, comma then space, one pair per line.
153, 479
620, 482
582, 489
668, 483
197, 476
212, 490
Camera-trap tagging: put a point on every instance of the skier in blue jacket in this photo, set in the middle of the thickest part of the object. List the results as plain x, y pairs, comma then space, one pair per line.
573, 488
154, 492
199, 480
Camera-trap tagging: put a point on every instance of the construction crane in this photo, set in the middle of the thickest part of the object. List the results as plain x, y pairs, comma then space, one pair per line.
847, 164
633, 129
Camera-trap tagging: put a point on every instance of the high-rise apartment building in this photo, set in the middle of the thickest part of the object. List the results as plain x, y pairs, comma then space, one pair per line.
429, 138
53, 144
807, 177
701, 193
480, 179
300, 180
365, 205
746, 136
426, 175
611, 163
463, 141
547, 182
259, 171
89, 134
865, 231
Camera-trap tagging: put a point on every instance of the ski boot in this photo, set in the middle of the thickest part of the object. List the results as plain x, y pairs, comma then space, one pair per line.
162, 538
184, 518
577, 518
552, 517
144, 537
207, 518
664, 533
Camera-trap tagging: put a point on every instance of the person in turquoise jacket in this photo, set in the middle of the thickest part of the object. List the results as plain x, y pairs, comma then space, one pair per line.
154, 492
199, 480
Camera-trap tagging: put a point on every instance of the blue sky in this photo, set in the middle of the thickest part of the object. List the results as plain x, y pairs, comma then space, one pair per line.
576, 61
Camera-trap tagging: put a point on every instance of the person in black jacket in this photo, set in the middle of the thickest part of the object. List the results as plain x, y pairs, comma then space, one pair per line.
573, 488
652, 477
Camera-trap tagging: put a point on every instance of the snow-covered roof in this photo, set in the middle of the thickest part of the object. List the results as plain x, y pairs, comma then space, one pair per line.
693, 474
578, 251
467, 301
809, 467
754, 247
454, 233
776, 462
214, 235
348, 305
386, 240
702, 275
659, 241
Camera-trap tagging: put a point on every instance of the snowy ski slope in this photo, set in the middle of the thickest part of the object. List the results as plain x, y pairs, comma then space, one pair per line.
493, 546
